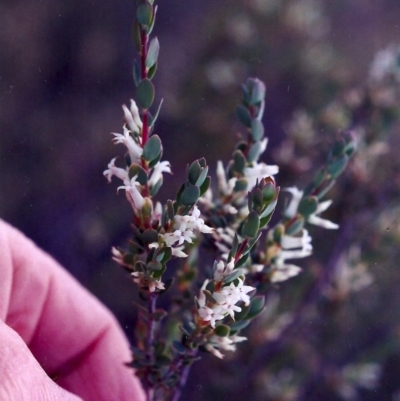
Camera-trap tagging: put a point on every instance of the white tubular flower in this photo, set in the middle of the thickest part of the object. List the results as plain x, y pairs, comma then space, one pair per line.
147, 282
291, 208
211, 314
117, 171
133, 194
238, 293
132, 117
157, 173
292, 248
135, 151
257, 172
224, 186
318, 221
296, 247
223, 270
227, 304
284, 271
117, 256
217, 343
195, 222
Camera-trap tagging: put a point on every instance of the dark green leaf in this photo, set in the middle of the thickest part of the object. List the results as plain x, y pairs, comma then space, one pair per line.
154, 266
254, 152
295, 226
256, 306
152, 71
233, 276
140, 172
308, 205
145, 94
144, 13
243, 115
152, 53
152, 148
190, 195
156, 187
239, 325
257, 130
239, 161
240, 185
337, 167
194, 172
251, 225
136, 36
205, 185
222, 330
209, 297
150, 236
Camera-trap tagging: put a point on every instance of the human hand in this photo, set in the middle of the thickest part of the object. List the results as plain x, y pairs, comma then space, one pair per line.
57, 342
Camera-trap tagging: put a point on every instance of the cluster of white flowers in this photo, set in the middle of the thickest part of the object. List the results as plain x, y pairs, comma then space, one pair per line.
291, 210
253, 173
144, 281
226, 296
185, 229
131, 139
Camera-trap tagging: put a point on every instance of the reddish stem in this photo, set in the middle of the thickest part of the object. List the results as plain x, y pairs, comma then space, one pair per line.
241, 249
143, 56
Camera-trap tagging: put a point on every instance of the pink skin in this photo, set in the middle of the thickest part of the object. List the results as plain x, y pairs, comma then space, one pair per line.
57, 342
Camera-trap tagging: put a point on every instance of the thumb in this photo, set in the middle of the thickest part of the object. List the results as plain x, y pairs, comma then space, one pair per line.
21, 377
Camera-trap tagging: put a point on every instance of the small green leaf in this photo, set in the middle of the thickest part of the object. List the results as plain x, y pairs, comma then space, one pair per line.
243, 313
337, 167
154, 266
144, 13
140, 172
240, 185
194, 172
152, 149
202, 176
149, 236
164, 254
205, 185
257, 90
256, 306
295, 226
239, 325
308, 206
251, 225
156, 187
243, 115
239, 161
152, 53
145, 94
257, 130
254, 152
242, 260
233, 276
319, 177
152, 71
209, 297
190, 195
222, 330
136, 36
